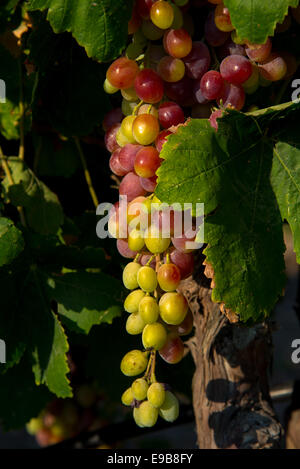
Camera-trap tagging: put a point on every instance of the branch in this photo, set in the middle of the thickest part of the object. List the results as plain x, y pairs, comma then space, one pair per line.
87, 173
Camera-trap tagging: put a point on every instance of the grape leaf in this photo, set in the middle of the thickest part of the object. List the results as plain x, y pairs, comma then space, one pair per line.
100, 26
229, 171
42, 209
285, 178
86, 299
255, 20
7, 11
11, 241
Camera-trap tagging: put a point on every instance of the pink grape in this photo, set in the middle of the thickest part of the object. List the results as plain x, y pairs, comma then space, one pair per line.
213, 35
173, 350
124, 250
122, 72
110, 138
131, 187
169, 114
198, 93
161, 139
222, 18
197, 62
233, 95
212, 85
113, 117
168, 277
236, 69
230, 48
149, 184
259, 52
147, 161
274, 68
145, 259
214, 116
184, 262
177, 43
115, 165
149, 86
127, 156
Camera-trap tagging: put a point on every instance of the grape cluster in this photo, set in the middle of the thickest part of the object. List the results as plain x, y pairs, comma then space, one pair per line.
164, 78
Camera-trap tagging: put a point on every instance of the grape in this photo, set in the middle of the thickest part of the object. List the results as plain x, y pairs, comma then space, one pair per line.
136, 416
134, 363
126, 128
186, 326
201, 111
198, 95
117, 225
148, 109
147, 279
169, 411
173, 350
212, 85
259, 52
109, 88
143, 7
173, 308
122, 73
130, 274
110, 138
252, 84
178, 18
131, 187
127, 156
274, 68
171, 69
145, 259
222, 18
128, 107
168, 277
214, 116
136, 240
34, 425
181, 91
127, 397
149, 184
149, 86
148, 309
115, 165
161, 139
162, 14
151, 32
164, 220
230, 48
236, 39
177, 43
147, 161
233, 96
122, 139
123, 248
135, 324
184, 262
182, 242
132, 301
156, 394
113, 117
236, 69
147, 414
154, 240
139, 389
154, 336
145, 129
213, 35
169, 114
181, 3
197, 62
137, 212
134, 22
129, 94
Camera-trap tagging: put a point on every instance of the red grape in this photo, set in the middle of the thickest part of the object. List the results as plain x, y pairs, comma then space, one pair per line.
124, 250
149, 184
113, 117
147, 161
149, 86
197, 62
134, 22
177, 43
186, 326
222, 18
115, 165
122, 73
173, 350
181, 92
169, 114
212, 85
127, 156
184, 261
259, 52
274, 68
233, 95
213, 35
198, 93
110, 138
131, 187
230, 48
143, 7
236, 69
161, 139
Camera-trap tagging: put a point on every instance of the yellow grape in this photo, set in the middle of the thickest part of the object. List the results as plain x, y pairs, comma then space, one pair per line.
136, 416
139, 389
127, 397
147, 414
121, 138
136, 240
154, 336
155, 242
132, 302
135, 324
109, 88
134, 363
173, 308
126, 128
156, 394
169, 411
147, 278
129, 94
162, 14
148, 309
34, 425
130, 275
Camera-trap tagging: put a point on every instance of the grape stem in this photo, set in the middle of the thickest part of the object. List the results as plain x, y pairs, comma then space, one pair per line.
22, 114
137, 107
87, 173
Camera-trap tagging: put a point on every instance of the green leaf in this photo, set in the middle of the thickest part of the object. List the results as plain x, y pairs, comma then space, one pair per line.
285, 178
49, 343
100, 26
42, 209
20, 398
229, 171
7, 10
86, 299
11, 241
255, 20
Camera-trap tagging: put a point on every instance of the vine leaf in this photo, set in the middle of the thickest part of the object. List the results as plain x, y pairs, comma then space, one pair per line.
42, 209
100, 26
85, 299
255, 20
229, 171
11, 241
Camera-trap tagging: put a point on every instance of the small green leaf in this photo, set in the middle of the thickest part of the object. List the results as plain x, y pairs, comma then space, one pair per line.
100, 26
11, 241
86, 299
255, 20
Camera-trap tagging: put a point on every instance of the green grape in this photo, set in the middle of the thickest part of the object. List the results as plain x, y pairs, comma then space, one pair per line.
181, 3
128, 107
134, 363
129, 94
109, 88
154, 336
135, 324
151, 32
121, 138
139, 389
169, 411
147, 278
147, 414
136, 416
136, 240
132, 302
155, 242
173, 308
148, 309
178, 18
134, 50
156, 394
127, 397
252, 84
130, 275
58, 429
34, 425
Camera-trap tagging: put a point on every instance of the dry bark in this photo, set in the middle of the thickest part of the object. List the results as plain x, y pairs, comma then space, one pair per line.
231, 398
